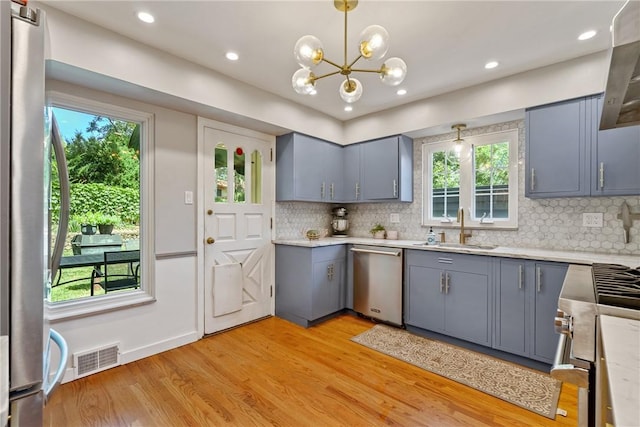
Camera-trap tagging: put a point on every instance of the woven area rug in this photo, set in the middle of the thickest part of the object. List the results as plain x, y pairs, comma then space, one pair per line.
526, 388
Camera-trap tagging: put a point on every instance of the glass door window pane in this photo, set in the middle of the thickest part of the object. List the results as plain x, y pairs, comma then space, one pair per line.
221, 173
256, 177
239, 178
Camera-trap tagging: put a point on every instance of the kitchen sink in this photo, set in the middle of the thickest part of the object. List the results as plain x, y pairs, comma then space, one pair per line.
460, 246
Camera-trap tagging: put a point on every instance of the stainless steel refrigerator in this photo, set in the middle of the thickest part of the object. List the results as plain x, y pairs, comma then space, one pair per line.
26, 133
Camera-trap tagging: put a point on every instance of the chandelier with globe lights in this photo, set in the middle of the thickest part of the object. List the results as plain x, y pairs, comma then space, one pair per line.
372, 45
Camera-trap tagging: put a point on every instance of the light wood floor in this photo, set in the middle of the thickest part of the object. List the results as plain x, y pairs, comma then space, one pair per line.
273, 372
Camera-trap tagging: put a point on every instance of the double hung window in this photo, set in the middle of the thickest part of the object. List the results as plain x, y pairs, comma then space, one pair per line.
479, 175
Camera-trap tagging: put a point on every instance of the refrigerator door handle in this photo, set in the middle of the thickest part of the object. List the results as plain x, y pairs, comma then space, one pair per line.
49, 387
63, 174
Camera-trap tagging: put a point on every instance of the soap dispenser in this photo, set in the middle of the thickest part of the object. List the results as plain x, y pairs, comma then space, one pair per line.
431, 237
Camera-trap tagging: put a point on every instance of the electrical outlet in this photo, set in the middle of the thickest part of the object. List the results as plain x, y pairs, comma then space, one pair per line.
592, 219
394, 218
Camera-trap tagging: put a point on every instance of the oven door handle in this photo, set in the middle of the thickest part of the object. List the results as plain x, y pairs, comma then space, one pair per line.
567, 372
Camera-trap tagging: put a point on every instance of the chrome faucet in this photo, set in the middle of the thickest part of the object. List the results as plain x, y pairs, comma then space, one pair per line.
460, 219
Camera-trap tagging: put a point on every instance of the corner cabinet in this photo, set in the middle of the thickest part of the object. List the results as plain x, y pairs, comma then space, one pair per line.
567, 155
449, 293
308, 169
526, 301
310, 282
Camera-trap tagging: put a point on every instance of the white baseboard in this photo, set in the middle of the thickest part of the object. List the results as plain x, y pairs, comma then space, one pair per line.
146, 351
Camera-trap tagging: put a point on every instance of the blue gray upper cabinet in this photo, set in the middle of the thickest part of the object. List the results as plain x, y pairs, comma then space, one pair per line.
379, 170
386, 169
352, 187
556, 150
615, 157
308, 169
567, 155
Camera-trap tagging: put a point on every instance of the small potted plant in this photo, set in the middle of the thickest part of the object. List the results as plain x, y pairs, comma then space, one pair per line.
88, 223
106, 223
377, 231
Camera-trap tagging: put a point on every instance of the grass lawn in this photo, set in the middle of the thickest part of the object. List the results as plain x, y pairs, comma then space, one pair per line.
79, 288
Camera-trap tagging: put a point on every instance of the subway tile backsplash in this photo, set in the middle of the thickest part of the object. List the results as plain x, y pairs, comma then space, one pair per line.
542, 223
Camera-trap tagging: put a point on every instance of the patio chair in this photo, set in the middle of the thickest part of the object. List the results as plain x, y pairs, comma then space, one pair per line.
119, 270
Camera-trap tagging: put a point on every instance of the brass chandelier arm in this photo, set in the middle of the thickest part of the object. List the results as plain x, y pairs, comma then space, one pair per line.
353, 63
359, 70
333, 63
324, 75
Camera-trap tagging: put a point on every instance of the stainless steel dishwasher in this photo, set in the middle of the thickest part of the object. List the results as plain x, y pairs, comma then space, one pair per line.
377, 283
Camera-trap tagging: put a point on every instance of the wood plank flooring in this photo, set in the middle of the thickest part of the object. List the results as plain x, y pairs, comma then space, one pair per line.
273, 372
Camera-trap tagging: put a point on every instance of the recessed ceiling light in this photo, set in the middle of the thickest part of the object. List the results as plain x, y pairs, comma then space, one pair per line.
348, 108
491, 64
587, 35
401, 92
232, 56
146, 17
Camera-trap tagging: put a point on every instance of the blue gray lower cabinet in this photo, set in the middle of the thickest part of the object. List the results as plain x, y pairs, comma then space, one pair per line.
310, 282
507, 304
503, 303
449, 293
526, 301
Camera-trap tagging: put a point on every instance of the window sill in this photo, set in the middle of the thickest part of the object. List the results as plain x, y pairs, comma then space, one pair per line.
60, 311
456, 226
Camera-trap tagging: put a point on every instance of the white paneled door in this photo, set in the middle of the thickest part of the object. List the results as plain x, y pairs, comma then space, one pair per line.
238, 253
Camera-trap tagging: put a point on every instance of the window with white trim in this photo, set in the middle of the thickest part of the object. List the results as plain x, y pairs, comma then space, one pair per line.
479, 175
110, 161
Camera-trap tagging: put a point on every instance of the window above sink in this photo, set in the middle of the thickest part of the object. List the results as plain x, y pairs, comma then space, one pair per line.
480, 175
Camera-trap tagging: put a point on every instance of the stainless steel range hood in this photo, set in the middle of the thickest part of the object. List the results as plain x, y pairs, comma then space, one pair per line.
622, 94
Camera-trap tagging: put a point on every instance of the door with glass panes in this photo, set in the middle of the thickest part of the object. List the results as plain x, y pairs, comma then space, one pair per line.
239, 188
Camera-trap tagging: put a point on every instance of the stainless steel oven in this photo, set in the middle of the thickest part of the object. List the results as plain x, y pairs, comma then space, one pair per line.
589, 292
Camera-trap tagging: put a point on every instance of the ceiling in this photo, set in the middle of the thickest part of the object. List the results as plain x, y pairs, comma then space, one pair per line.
444, 43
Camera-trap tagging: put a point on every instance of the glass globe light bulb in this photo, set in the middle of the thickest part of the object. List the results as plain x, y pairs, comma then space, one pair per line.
303, 81
308, 51
350, 90
374, 42
394, 70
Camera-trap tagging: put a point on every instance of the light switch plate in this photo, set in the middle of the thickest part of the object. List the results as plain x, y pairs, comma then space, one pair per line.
592, 219
394, 218
188, 197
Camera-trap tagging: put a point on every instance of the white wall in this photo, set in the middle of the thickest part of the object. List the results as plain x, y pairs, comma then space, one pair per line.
172, 319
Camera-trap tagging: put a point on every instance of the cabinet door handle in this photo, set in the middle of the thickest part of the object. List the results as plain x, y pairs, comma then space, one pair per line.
442, 282
331, 190
538, 278
330, 272
357, 190
601, 175
532, 184
395, 188
322, 190
520, 276
446, 283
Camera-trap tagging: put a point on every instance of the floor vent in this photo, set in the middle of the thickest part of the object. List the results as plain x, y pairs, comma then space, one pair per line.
96, 360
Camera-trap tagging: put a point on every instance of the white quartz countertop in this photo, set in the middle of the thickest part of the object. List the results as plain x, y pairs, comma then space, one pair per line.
621, 346
572, 257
